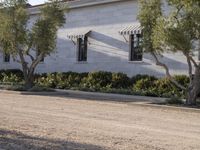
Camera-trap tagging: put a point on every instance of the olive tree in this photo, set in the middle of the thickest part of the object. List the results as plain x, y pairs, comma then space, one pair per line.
177, 32
29, 44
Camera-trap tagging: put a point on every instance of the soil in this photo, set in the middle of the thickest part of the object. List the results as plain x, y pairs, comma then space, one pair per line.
65, 123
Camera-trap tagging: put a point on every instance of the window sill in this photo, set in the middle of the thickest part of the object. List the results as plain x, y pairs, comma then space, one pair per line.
6, 63
136, 62
81, 62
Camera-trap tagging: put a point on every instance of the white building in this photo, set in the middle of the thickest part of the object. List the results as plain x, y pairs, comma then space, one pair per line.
101, 35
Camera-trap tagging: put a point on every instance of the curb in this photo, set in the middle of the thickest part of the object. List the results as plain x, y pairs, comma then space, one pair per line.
117, 97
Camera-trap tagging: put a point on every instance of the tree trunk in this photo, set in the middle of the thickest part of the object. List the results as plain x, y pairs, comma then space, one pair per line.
194, 88
28, 84
29, 81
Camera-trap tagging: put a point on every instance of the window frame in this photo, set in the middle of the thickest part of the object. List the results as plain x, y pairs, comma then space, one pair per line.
138, 57
82, 49
6, 57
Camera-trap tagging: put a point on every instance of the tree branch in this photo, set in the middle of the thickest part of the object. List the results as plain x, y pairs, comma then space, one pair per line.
167, 72
35, 63
16, 60
193, 61
190, 68
31, 57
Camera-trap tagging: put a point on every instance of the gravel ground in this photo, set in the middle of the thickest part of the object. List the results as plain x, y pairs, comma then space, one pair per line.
64, 123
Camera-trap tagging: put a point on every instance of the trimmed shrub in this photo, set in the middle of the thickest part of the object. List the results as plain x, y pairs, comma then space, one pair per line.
182, 79
145, 86
14, 75
97, 80
102, 81
157, 87
61, 80
164, 88
12, 78
70, 79
120, 80
138, 77
48, 80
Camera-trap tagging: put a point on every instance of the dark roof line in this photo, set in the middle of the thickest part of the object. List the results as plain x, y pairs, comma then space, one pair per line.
39, 5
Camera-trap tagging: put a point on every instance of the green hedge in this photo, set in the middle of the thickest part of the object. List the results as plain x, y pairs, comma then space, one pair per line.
103, 82
11, 76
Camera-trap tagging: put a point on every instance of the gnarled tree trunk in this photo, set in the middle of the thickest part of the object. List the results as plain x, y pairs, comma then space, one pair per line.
29, 81
30, 70
194, 88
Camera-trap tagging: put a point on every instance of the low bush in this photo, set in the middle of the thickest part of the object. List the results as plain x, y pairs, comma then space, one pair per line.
70, 79
120, 81
48, 80
102, 81
157, 87
60, 80
143, 84
164, 88
97, 80
182, 79
138, 77
10, 78
12, 75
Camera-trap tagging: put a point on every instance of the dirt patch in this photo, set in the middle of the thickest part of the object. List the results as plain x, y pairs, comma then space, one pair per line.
46, 122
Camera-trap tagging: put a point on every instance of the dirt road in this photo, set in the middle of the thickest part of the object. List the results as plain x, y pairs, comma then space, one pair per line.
61, 123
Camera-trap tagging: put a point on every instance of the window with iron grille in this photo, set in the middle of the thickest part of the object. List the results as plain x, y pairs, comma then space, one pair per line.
136, 53
82, 49
6, 57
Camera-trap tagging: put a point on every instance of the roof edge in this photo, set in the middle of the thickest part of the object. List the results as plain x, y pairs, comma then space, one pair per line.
34, 10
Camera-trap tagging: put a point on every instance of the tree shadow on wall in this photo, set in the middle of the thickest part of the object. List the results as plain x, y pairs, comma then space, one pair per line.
12, 140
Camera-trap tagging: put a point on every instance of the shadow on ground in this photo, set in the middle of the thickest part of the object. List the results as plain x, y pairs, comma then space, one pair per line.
12, 140
90, 96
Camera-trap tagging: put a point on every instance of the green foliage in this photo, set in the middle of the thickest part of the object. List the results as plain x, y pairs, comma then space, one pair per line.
54, 12
177, 31
159, 87
61, 80
164, 88
44, 31
49, 80
144, 87
182, 79
97, 80
101, 81
143, 84
70, 79
150, 11
138, 77
11, 76
13, 22
120, 80
19, 40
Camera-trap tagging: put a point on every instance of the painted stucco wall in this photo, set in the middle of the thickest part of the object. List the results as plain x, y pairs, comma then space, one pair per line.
107, 49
